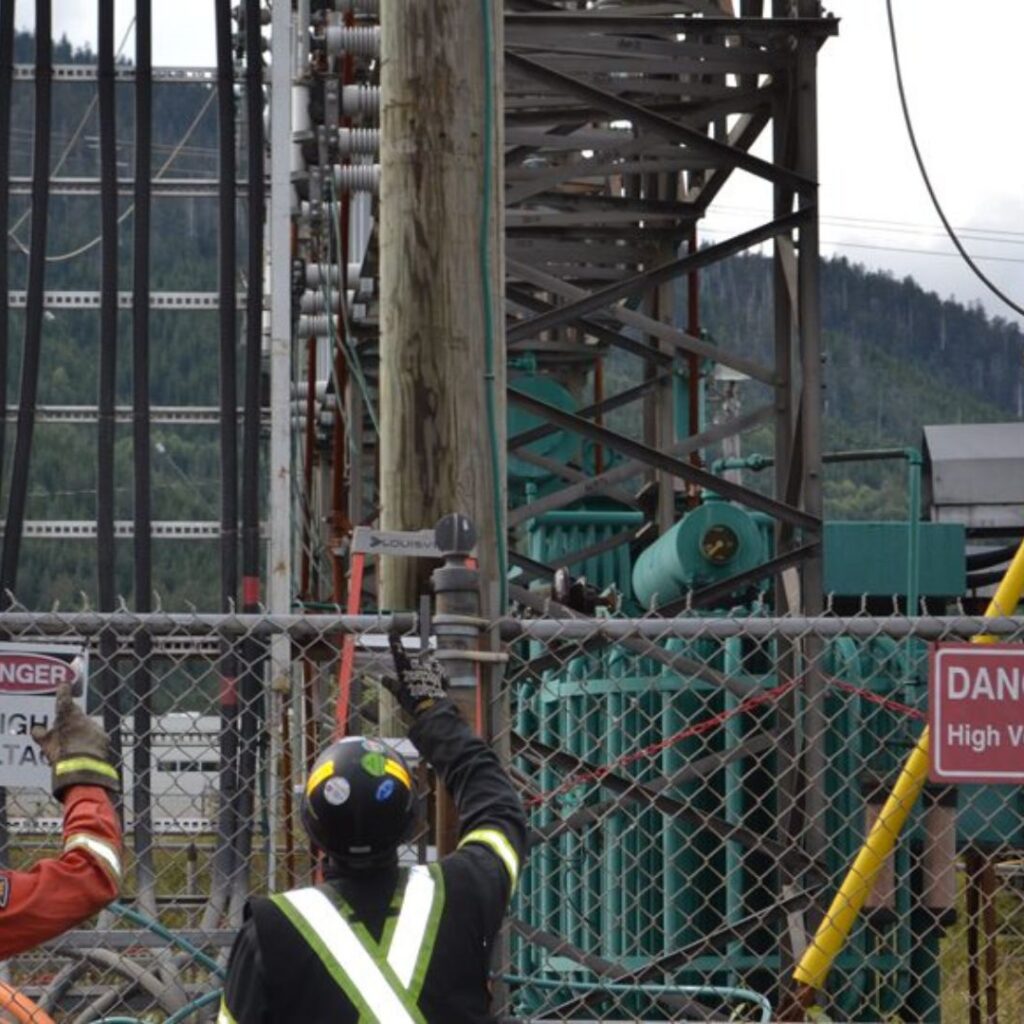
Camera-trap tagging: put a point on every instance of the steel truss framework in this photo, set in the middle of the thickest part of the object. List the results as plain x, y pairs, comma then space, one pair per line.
623, 122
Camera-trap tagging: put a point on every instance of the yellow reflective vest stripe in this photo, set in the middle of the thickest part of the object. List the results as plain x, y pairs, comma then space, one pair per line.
498, 843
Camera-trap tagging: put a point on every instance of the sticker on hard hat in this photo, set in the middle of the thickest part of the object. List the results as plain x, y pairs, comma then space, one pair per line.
373, 746
385, 789
325, 771
336, 791
374, 764
394, 768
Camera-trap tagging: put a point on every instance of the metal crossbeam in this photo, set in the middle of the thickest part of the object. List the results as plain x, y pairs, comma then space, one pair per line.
660, 274
91, 300
671, 27
599, 484
68, 529
168, 415
661, 125
667, 463
185, 188
182, 75
632, 318
610, 403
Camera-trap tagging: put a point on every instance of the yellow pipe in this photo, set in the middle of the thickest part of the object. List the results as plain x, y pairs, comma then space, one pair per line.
835, 927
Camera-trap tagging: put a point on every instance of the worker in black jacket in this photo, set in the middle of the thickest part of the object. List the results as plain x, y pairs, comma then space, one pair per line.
376, 941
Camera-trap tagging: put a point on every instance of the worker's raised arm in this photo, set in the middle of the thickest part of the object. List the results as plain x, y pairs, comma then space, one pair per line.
490, 811
59, 892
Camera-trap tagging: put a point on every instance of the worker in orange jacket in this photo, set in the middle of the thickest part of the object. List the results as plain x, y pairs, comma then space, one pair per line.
57, 893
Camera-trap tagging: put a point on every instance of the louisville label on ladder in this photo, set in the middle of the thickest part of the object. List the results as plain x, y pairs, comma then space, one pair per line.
453, 537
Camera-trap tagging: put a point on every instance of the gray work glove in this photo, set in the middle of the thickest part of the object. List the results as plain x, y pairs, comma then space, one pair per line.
416, 686
76, 747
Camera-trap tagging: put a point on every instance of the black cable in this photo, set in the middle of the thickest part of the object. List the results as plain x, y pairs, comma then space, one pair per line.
254, 305
227, 313
33, 302
6, 85
140, 304
106, 679
142, 679
252, 656
927, 181
984, 579
227, 819
986, 559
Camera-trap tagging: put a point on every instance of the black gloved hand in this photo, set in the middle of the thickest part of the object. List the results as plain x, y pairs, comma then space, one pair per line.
76, 747
416, 686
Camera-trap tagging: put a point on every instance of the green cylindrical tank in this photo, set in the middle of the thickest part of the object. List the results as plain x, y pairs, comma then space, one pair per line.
560, 446
711, 543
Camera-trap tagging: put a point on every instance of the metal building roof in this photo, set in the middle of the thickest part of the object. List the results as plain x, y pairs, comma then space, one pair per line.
975, 473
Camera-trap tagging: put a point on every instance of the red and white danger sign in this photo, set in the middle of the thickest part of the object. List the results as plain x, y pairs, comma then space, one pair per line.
29, 677
976, 713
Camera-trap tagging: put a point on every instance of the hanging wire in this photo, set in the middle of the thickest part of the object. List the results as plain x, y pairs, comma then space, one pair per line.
129, 210
490, 381
75, 135
350, 353
978, 272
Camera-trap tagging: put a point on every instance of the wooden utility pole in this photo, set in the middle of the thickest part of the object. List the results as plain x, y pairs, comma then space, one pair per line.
441, 284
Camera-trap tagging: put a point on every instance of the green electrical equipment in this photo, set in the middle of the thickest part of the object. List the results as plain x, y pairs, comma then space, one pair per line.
640, 880
714, 541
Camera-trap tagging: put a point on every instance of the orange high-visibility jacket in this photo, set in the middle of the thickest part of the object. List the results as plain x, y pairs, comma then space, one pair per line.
57, 893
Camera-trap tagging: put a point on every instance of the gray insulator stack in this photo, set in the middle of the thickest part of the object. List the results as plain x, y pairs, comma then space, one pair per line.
316, 302
361, 101
357, 177
318, 273
315, 325
355, 40
358, 141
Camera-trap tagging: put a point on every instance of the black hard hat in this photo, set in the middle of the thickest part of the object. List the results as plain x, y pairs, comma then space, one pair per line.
358, 802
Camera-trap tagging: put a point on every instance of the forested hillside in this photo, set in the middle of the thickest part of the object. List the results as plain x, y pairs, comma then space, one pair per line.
897, 357
183, 356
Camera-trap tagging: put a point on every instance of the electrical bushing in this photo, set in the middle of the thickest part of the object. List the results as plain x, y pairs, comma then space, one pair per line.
713, 542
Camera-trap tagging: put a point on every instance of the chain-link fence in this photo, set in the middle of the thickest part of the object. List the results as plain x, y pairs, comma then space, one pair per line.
697, 790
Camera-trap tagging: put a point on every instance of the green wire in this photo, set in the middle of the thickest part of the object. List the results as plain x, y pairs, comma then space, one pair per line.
158, 929
349, 350
176, 1017
490, 383
718, 991
196, 1004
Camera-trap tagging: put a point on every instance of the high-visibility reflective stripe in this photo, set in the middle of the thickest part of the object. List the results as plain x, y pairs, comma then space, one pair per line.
98, 848
366, 978
412, 942
426, 950
412, 923
85, 764
224, 1014
498, 843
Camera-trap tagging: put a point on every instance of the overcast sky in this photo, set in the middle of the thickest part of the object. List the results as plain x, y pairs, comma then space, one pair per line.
959, 66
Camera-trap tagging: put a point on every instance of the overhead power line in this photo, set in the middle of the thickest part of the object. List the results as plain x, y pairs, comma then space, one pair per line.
929, 253
1000, 236
73, 253
979, 273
